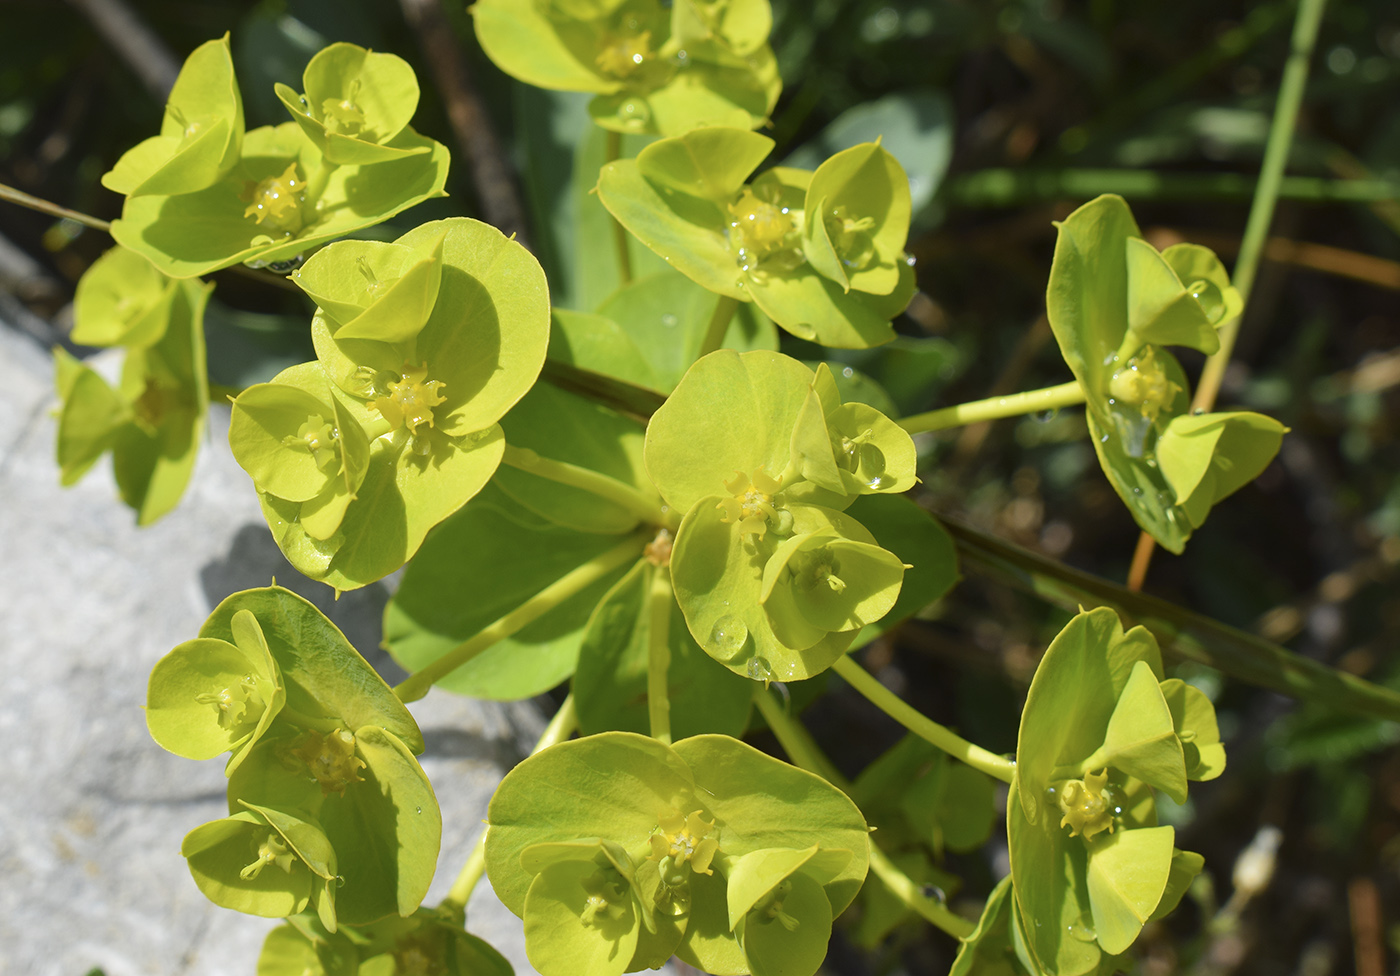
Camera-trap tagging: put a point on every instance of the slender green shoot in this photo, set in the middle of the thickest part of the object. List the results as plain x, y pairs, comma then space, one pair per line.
416, 685
560, 727
995, 408
719, 325
998, 767
624, 256
12, 195
659, 603
645, 509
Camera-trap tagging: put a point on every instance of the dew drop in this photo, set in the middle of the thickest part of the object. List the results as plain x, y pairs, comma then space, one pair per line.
419, 809
1083, 930
1045, 416
728, 637
848, 372
879, 481
669, 320
758, 669
1103, 439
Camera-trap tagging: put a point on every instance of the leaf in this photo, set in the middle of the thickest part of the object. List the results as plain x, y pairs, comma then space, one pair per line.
121, 300
373, 290
522, 41
324, 675
918, 540
1048, 882
1141, 740
987, 951
89, 420
613, 785
478, 566
218, 852
857, 219
709, 163
1208, 457
774, 949
556, 937
953, 805
610, 683
1194, 718
356, 102
195, 233
1160, 309
1184, 868
813, 307
597, 343
1127, 874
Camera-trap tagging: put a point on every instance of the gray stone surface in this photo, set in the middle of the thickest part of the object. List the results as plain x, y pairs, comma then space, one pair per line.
91, 810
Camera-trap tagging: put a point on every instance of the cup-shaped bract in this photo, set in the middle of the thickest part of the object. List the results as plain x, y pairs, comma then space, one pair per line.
1089, 865
281, 201
152, 420
1114, 302
422, 379
340, 754
652, 70
201, 134
262, 861
838, 283
690, 849
121, 300
759, 452
356, 101
374, 290
210, 696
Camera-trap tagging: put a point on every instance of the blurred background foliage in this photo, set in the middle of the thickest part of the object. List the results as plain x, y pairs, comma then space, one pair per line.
1007, 115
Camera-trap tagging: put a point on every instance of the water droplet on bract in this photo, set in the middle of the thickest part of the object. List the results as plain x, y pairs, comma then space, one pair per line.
880, 481
634, 111
728, 637
669, 320
1103, 439
909, 260
1137, 491
848, 372
758, 670
935, 893
1118, 811
1045, 416
1111, 401
1197, 412
419, 810
1051, 792
1083, 930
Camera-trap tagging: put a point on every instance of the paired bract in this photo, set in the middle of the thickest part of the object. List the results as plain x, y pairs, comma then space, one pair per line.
821, 253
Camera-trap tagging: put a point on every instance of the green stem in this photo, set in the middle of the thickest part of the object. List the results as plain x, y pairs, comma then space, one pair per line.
659, 602
719, 325
316, 184
1271, 182
995, 408
1016, 187
624, 256
1181, 632
913, 895
792, 735
12, 195
998, 767
416, 685
560, 727
645, 509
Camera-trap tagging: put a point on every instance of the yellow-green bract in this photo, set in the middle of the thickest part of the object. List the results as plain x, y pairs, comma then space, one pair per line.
653, 70
429, 941
1114, 302
619, 851
422, 346
327, 803
152, 420
762, 456
272, 195
1100, 731
821, 253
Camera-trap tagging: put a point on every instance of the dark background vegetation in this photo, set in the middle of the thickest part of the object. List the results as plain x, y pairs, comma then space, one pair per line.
1179, 90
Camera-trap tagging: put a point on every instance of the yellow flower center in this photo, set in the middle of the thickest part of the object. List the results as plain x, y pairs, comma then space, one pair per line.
276, 200
409, 400
679, 841
1086, 805
751, 501
318, 437
342, 115
238, 705
1143, 383
272, 849
330, 758
623, 54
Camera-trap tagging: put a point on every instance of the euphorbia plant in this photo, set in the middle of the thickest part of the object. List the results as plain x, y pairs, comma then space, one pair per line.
671, 526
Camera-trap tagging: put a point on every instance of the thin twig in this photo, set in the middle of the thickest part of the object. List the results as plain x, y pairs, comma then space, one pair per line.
142, 50
491, 174
44, 206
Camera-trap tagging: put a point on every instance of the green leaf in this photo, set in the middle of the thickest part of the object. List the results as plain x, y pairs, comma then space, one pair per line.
613, 785
667, 315
817, 582
741, 25
919, 542
1185, 866
373, 290
1194, 718
90, 419
356, 102
816, 308
245, 863
1160, 308
1071, 700
710, 164
952, 804
597, 343
1207, 280
558, 940
1127, 874
686, 230
478, 566
1141, 740
1048, 881
755, 875
795, 941
1208, 457
200, 135
988, 950
324, 675
195, 233
526, 43
121, 300
857, 219
610, 683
